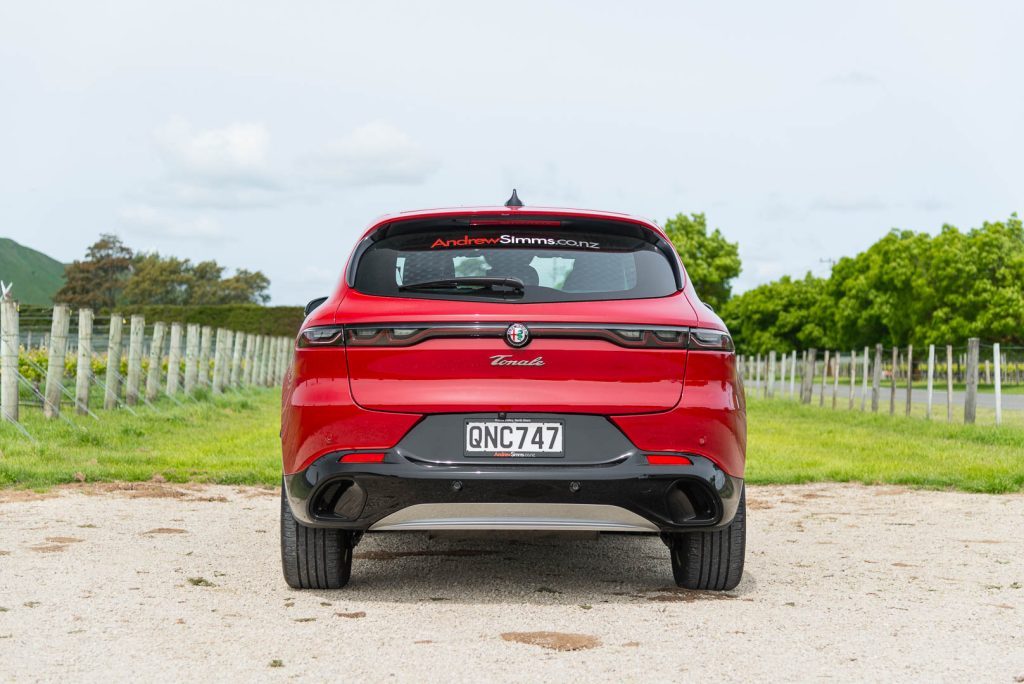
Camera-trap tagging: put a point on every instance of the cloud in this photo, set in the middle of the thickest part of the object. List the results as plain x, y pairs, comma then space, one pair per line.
313, 278
848, 205
237, 153
853, 79
777, 209
931, 204
224, 168
146, 220
374, 154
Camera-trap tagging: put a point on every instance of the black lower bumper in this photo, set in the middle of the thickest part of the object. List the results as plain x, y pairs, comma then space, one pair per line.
355, 496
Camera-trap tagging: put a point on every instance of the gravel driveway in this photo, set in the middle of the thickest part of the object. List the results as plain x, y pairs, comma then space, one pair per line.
842, 582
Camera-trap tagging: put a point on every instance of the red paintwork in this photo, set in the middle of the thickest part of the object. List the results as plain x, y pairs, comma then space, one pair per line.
663, 400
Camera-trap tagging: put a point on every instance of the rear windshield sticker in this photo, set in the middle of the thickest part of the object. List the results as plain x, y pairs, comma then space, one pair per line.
515, 240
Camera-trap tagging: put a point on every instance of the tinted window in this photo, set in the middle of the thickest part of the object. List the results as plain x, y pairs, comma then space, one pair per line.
555, 265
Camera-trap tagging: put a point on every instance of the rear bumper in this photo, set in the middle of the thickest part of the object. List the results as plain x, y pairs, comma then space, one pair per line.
401, 494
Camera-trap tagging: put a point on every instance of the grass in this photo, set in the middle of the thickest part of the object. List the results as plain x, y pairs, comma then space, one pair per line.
232, 439
792, 443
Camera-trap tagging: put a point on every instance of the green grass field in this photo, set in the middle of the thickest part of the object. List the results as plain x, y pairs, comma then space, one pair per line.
790, 442
233, 440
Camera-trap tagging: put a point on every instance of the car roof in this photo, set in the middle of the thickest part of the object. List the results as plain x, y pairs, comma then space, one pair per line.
512, 211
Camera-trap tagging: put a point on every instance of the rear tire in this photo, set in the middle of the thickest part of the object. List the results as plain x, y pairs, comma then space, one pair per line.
711, 560
313, 558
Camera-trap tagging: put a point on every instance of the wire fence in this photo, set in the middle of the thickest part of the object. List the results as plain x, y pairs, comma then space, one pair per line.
970, 383
85, 365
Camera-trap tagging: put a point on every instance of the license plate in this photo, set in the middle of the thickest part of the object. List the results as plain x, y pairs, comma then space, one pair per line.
514, 439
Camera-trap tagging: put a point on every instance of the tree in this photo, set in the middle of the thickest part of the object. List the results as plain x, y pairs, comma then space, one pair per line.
782, 315
111, 275
169, 280
97, 281
158, 280
907, 288
711, 261
245, 287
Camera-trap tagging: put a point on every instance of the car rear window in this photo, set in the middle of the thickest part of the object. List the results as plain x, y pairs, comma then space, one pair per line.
555, 265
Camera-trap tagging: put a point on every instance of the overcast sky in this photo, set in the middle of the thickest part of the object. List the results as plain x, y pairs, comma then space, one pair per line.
267, 135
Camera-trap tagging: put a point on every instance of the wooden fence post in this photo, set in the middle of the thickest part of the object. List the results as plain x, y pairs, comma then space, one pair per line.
191, 357
876, 379
286, 359
783, 358
275, 360
156, 359
949, 383
971, 400
999, 383
931, 378
807, 385
57, 355
236, 360
265, 362
864, 382
204, 356
113, 379
250, 348
769, 388
174, 360
268, 352
757, 373
853, 375
824, 378
218, 362
257, 361
837, 361
910, 375
83, 363
134, 377
892, 378
9, 360
259, 373
275, 347
792, 376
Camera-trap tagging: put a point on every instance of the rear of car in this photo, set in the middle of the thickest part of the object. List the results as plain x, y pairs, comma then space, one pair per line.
513, 368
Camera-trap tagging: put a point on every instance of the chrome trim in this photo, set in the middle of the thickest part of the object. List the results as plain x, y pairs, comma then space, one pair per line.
514, 516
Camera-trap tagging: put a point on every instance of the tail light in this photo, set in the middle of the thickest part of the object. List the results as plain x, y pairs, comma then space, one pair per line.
704, 339
322, 336
651, 337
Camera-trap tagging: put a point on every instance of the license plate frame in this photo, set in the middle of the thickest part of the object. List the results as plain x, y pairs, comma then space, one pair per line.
523, 436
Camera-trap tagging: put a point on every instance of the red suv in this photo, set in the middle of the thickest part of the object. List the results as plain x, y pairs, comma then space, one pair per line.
513, 368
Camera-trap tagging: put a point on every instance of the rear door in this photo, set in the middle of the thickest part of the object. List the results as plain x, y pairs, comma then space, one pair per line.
575, 338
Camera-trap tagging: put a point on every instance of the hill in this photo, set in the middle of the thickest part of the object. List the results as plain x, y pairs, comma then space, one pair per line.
36, 277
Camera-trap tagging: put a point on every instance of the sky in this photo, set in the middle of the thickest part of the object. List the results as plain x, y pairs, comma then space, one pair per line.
268, 135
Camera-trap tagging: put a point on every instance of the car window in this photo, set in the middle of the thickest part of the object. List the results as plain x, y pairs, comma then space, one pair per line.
553, 265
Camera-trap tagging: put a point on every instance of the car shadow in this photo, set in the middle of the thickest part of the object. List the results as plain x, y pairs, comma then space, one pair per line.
523, 568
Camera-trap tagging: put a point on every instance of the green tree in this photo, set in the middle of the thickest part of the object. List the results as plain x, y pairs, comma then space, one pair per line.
158, 280
711, 261
782, 315
245, 287
907, 288
111, 275
98, 280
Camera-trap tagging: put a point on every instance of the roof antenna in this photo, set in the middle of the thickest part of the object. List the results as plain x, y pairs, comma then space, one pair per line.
514, 200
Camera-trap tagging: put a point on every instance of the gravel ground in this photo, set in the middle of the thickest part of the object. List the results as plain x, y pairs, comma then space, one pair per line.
158, 583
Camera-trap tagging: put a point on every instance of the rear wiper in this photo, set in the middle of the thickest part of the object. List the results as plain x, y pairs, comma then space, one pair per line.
498, 286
